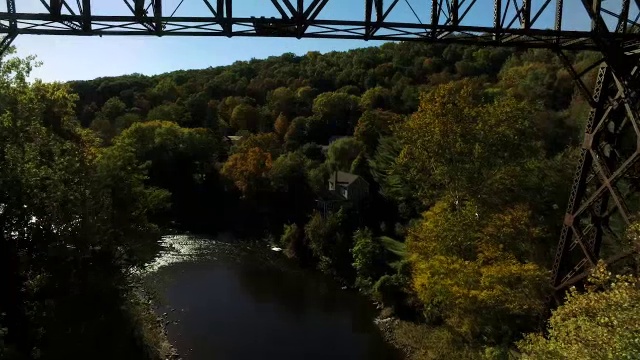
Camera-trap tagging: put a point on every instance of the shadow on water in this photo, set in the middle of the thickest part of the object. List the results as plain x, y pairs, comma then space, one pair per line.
229, 300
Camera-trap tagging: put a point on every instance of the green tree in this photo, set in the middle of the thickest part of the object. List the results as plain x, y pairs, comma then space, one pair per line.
281, 101
169, 112
281, 126
343, 152
376, 98
244, 117
296, 134
304, 99
228, 104
112, 108
349, 89
179, 160
390, 174
374, 124
288, 171
197, 105
337, 112
292, 240
360, 166
104, 129
74, 217
124, 121
165, 90
293, 197
318, 177
368, 258
328, 244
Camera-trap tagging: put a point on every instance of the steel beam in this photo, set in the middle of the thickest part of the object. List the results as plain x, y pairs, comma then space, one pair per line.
368, 9
450, 28
139, 10
497, 19
55, 7
314, 10
526, 14
228, 25
157, 16
86, 15
280, 9
381, 18
6, 41
210, 7
453, 12
613, 116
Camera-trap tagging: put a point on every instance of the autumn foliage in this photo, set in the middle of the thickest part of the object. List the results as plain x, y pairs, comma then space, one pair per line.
248, 169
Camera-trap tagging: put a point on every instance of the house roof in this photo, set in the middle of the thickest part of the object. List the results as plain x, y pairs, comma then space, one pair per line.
343, 177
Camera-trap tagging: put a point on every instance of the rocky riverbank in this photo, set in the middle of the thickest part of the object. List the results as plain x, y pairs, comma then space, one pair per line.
389, 328
150, 329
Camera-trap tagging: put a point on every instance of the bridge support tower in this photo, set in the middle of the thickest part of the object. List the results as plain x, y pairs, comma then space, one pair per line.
604, 194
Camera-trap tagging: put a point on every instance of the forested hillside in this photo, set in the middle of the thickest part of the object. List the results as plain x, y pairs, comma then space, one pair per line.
288, 106
467, 154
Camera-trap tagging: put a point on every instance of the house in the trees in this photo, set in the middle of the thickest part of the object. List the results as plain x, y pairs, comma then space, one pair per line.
343, 187
231, 139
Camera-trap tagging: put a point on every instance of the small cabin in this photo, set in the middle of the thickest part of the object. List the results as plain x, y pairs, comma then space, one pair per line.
231, 139
343, 188
348, 186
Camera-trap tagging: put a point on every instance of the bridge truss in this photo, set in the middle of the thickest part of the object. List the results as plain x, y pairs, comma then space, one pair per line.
604, 182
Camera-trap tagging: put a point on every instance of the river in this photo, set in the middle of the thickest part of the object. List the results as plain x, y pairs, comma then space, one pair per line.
229, 300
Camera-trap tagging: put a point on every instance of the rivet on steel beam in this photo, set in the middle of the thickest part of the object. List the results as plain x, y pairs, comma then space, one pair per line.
588, 141
568, 219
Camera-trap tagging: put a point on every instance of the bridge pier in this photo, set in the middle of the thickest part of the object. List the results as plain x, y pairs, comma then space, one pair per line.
597, 212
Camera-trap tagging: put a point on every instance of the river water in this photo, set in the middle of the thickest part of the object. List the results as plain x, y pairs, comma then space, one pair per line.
228, 300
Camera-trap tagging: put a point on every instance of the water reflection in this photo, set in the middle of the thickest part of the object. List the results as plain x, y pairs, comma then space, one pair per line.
233, 301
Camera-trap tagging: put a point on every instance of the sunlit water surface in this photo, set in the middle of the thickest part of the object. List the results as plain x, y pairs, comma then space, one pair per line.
230, 300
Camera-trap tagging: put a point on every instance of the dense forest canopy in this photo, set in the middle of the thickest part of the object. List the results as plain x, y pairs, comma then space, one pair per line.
457, 162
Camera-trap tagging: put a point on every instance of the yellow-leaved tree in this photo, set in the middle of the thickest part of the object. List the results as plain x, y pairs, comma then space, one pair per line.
470, 271
603, 323
473, 254
458, 141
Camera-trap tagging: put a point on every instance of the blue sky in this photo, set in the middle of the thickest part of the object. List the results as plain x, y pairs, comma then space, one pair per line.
78, 58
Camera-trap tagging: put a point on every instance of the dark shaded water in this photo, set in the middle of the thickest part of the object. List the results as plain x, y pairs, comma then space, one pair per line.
228, 301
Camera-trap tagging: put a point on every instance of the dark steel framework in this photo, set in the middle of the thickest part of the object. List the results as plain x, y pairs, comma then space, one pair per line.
603, 184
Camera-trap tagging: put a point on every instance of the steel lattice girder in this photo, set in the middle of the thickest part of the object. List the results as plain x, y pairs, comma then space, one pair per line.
595, 195
514, 22
610, 149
